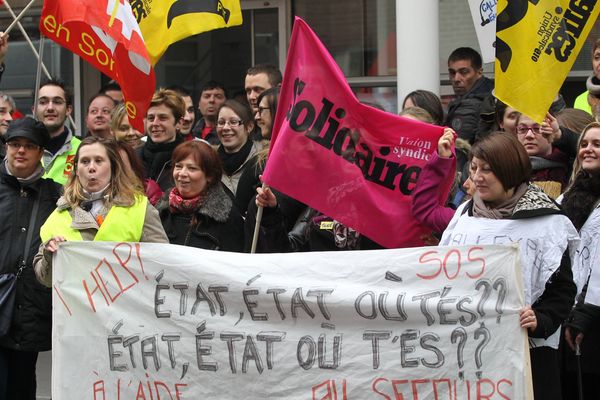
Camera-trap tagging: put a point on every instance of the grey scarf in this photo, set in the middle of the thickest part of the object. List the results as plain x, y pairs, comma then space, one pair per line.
504, 210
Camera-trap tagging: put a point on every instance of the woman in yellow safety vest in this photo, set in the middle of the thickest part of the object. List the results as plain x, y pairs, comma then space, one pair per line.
101, 202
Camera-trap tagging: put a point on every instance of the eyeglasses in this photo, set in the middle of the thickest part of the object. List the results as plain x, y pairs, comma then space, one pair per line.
261, 109
26, 146
523, 129
234, 123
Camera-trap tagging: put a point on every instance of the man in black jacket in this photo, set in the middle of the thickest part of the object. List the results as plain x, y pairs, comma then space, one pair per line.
471, 88
26, 200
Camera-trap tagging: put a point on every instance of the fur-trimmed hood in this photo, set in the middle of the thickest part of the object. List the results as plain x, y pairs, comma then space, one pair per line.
216, 205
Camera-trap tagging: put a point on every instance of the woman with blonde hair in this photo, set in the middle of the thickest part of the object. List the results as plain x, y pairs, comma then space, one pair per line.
101, 202
581, 203
121, 128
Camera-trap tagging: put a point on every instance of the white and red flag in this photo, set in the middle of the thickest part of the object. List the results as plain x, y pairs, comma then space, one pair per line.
106, 34
350, 161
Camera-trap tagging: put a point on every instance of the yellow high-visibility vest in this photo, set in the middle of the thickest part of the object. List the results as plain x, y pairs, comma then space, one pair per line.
122, 224
62, 166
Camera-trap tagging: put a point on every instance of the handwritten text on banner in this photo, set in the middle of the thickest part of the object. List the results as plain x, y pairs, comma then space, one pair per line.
135, 321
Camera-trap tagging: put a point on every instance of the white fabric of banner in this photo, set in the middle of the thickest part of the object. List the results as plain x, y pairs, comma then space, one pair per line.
150, 321
586, 260
484, 21
542, 240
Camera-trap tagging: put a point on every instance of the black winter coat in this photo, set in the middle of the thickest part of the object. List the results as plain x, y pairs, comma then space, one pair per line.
31, 328
156, 160
218, 226
464, 112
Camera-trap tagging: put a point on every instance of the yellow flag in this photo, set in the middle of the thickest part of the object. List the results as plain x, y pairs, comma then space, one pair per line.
163, 22
537, 42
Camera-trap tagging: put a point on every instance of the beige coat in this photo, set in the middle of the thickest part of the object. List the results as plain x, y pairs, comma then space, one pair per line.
83, 221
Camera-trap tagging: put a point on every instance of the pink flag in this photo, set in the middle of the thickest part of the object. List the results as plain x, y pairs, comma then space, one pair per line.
350, 161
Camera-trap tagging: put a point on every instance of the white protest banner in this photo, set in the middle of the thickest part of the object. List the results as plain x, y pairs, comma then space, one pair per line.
586, 262
484, 20
156, 321
587, 259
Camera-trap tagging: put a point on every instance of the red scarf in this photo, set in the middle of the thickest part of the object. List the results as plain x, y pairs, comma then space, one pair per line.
178, 204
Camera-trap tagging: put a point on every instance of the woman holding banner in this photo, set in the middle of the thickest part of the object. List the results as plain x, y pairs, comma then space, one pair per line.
581, 203
100, 202
505, 206
198, 212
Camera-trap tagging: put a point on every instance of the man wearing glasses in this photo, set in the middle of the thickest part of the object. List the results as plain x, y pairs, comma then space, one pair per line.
26, 201
52, 108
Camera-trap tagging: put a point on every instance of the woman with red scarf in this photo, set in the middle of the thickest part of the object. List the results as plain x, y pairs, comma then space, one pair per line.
198, 211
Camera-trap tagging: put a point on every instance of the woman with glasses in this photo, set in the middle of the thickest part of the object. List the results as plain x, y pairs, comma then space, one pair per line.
264, 118
506, 209
101, 202
234, 125
550, 166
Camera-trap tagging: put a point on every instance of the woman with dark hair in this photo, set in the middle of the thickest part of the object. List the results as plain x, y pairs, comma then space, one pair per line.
100, 202
198, 212
264, 117
234, 125
506, 118
581, 203
428, 101
267, 108
505, 205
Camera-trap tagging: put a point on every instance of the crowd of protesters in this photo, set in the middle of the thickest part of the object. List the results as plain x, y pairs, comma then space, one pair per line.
195, 180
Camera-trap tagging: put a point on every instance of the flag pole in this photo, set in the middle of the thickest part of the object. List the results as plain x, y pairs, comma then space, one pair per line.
38, 75
17, 19
32, 47
259, 214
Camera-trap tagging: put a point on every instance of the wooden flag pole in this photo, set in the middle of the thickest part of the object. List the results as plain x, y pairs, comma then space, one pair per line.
259, 214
